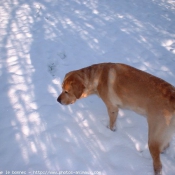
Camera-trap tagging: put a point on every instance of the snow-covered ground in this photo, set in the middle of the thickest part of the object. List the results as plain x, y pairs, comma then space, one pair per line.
40, 41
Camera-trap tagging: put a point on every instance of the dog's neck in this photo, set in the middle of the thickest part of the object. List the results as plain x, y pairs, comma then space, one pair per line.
90, 74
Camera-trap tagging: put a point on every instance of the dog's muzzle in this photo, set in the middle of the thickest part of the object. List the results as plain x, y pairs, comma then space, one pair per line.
59, 100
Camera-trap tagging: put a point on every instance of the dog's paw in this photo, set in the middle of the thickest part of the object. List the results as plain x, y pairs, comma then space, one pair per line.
112, 129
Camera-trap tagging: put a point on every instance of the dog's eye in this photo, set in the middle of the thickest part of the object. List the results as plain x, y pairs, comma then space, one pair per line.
66, 92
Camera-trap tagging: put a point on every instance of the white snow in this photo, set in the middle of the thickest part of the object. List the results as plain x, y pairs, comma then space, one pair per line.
40, 41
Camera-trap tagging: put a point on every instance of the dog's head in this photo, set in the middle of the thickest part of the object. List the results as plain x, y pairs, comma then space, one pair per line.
72, 89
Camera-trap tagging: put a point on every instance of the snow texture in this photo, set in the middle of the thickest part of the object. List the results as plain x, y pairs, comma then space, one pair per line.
40, 41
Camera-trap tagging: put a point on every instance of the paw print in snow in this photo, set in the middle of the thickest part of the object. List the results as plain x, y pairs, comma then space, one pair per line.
62, 55
52, 68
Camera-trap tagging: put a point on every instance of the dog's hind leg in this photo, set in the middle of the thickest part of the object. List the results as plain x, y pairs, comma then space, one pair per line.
156, 129
159, 137
154, 148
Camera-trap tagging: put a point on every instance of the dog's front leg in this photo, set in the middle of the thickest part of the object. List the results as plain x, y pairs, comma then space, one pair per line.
112, 112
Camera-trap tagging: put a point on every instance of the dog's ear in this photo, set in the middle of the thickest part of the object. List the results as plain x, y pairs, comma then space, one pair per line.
78, 88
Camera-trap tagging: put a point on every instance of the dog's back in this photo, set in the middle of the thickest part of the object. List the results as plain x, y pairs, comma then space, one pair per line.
134, 85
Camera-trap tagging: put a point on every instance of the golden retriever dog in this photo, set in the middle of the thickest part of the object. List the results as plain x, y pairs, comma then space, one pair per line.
123, 86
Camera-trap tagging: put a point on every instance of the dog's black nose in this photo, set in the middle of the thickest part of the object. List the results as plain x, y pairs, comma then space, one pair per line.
59, 99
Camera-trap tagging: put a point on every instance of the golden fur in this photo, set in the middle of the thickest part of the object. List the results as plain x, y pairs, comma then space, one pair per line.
122, 86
